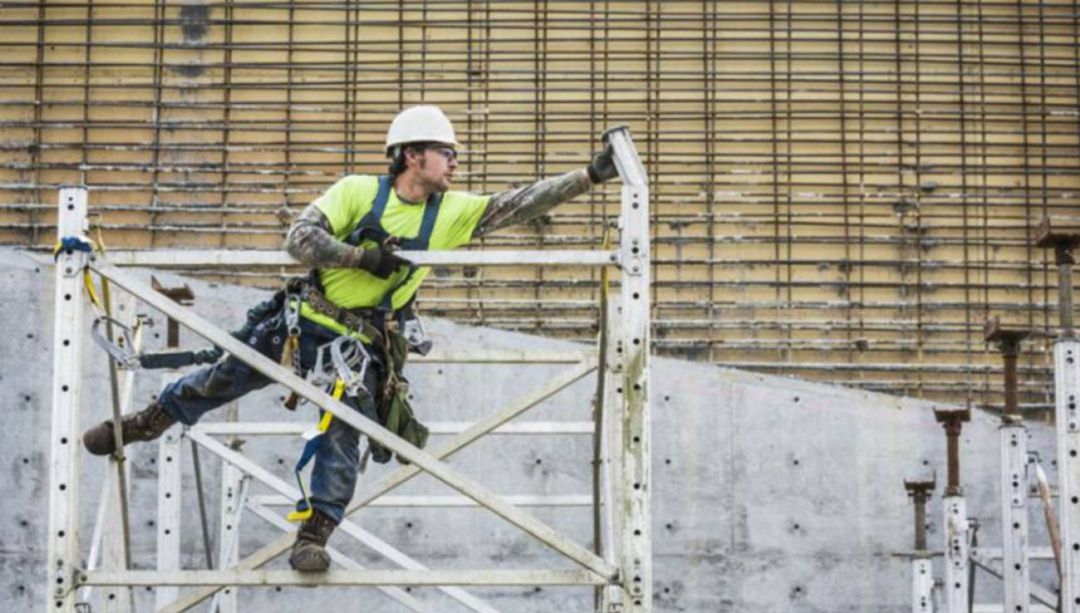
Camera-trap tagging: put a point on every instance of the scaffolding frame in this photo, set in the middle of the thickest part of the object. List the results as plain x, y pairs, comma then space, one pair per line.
624, 569
1019, 468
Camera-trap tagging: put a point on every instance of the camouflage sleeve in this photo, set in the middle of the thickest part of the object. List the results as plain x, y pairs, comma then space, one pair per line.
311, 241
523, 204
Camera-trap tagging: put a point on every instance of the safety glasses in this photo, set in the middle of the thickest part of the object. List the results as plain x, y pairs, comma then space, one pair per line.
446, 152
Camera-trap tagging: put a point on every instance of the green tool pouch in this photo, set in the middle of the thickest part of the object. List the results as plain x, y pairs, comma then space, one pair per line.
395, 412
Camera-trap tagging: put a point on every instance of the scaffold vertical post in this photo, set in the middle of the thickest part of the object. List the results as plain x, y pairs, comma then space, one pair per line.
1066, 396
957, 552
612, 594
1014, 459
63, 538
636, 552
233, 495
954, 516
232, 506
168, 512
922, 578
1014, 521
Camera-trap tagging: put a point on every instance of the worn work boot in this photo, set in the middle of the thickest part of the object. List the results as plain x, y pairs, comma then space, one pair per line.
145, 425
309, 551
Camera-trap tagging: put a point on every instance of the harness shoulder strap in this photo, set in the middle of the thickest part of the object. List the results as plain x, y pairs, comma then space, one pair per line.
427, 225
420, 243
370, 226
378, 207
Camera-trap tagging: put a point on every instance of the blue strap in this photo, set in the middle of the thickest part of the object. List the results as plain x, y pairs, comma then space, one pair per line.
427, 225
371, 228
381, 197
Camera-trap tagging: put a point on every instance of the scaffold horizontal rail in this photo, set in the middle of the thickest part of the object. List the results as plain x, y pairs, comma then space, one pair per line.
446, 501
194, 258
342, 577
295, 428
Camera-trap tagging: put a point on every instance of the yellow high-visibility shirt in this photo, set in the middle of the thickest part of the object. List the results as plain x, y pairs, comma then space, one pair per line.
346, 203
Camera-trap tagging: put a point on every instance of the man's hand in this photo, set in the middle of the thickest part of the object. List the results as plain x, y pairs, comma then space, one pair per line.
381, 261
602, 166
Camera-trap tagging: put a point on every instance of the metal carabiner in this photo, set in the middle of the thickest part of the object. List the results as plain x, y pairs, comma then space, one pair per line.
351, 361
126, 359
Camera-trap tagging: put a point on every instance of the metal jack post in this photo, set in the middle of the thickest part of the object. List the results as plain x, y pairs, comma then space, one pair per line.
922, 576
1066, 391
1014, 523
955, 521
181, 294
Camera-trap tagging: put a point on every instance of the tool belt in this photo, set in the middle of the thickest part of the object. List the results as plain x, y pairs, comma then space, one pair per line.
364, 321
394, 409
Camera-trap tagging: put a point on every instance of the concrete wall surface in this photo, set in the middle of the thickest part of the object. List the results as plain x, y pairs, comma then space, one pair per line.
769, 494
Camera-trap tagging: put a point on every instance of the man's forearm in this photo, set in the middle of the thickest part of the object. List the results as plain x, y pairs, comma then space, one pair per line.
520, 205
311, 241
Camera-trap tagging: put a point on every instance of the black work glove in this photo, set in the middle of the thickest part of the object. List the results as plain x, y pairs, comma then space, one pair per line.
381, 261
602, 166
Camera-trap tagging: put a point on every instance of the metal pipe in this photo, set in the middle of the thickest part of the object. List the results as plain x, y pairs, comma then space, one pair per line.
203, 521
953, 422
118, 455
1008, 343
1065, 299
1010, 383
920, 492
920, 524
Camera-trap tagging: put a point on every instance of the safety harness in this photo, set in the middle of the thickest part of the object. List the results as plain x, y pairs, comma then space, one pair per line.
371, 228
394, 410
363, 321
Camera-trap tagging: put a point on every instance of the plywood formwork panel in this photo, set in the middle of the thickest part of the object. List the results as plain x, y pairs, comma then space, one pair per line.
838, 187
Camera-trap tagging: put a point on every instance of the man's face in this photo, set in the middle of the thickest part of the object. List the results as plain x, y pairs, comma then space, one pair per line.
435, 166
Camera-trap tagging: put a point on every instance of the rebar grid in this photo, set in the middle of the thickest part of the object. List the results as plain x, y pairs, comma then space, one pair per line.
842, 191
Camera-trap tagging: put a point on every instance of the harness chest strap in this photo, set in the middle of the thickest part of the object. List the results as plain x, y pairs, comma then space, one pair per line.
371, 228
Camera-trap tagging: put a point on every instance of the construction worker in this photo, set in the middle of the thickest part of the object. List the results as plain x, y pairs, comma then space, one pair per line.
356, 237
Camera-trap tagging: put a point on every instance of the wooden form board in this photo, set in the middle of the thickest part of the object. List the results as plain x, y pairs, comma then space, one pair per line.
841, 190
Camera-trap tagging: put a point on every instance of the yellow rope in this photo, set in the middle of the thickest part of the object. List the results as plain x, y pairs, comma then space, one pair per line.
324, 425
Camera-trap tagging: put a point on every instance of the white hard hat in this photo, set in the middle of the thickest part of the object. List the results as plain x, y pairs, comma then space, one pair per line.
419, 124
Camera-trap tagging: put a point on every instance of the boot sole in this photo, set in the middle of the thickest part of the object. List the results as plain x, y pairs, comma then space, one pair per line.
92, 439
310, 563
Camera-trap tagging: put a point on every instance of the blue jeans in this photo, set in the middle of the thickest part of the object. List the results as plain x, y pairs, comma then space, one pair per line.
333, 477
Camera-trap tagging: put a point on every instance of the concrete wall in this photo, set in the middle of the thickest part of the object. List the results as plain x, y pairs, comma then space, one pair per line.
770, 494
